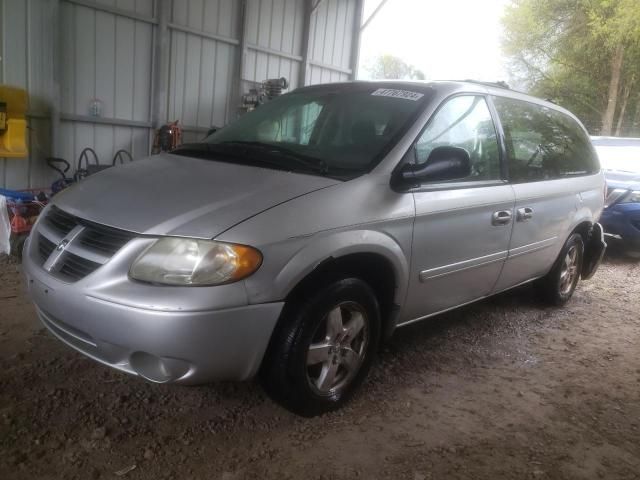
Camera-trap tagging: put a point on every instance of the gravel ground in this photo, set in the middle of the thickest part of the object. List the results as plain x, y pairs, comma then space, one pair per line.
500, 389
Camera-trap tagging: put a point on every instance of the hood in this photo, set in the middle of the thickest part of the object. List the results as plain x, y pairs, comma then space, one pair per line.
182, 196
626, 180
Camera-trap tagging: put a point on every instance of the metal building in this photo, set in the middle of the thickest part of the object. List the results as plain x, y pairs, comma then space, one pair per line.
153, 61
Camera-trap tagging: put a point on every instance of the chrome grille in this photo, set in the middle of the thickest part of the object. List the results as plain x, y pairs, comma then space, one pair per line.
71, 248
60, 221
75, 267
45, 247
104, 239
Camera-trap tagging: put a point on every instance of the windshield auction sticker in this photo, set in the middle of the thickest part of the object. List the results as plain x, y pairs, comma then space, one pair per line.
392, 92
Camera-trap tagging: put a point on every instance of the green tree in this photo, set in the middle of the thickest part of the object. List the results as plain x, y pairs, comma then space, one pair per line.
393, 68
583, 54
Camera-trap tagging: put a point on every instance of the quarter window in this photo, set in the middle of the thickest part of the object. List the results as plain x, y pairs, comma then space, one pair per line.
543, 143
464, 122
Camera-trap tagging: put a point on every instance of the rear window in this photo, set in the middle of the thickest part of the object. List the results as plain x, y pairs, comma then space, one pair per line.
543, 143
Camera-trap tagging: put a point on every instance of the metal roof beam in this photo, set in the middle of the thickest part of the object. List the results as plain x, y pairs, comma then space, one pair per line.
373, 15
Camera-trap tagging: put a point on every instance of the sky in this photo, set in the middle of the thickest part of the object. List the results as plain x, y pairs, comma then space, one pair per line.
446, 39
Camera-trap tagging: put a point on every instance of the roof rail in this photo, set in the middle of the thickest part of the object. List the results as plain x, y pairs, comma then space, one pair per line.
498, 84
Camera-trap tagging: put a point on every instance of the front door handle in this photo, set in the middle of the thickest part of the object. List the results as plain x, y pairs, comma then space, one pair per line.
524, 214
501, 217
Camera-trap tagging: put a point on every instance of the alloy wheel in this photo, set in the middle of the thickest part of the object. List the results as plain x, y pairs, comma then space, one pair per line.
569, 271
338, 348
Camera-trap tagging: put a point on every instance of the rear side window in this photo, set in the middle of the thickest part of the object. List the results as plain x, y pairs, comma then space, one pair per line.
542, 143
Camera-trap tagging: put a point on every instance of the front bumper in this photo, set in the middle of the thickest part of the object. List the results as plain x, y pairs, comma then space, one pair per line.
186, 335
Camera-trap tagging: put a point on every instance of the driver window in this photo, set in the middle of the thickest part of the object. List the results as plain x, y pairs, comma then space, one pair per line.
464, 122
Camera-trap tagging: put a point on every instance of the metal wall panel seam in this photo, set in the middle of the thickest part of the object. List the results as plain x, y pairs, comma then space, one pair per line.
199, 33
292, 47
305, 44
241, 54
95, 71
113, 10
335, 34
277, 53
213, 85
3, 56
133, 73
70, 117
75, 63
152, 74
200, 67
334, 68
327, 26
345, 32
27, 29
356, 37
185, 54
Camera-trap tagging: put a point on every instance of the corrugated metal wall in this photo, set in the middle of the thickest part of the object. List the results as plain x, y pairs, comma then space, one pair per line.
27, 63
106, 51
106, 57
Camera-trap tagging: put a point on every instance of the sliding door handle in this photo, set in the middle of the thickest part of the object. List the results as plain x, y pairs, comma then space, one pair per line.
501, 217
524, 214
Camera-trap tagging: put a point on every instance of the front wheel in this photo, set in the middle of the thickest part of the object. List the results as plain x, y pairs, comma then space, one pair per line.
557, 287
323, 348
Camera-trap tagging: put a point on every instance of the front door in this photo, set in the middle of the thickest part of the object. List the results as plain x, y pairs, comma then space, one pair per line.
462, 228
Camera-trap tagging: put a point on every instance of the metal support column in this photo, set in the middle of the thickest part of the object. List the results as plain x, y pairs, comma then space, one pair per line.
241, 58
160, 73
306, 43
357, 36
56, 78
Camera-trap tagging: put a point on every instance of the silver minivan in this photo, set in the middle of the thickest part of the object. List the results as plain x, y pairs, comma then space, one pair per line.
293, 241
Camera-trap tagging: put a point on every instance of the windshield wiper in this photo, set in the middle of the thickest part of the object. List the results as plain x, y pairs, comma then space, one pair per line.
213, 151
315, 164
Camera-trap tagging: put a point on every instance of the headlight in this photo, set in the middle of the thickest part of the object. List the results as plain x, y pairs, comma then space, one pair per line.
633, 197
185, 261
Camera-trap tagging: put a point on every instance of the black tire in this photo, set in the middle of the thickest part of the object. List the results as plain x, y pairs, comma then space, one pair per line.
553, 288
285, 373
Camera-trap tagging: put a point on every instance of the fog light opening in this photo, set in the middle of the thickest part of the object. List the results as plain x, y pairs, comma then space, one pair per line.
157, 369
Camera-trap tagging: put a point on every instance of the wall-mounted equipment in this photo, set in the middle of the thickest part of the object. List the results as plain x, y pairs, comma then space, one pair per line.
262, 93
13, 122
167, 138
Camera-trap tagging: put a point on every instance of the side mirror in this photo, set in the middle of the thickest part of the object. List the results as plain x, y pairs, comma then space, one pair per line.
443, 164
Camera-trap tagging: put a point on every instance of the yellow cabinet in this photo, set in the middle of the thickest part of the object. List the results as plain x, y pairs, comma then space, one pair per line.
13, 131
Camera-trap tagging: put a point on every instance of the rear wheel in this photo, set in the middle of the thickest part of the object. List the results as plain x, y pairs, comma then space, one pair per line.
323, 348
557, 287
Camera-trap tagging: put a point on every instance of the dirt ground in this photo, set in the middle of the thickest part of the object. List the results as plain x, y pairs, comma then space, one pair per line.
500, 389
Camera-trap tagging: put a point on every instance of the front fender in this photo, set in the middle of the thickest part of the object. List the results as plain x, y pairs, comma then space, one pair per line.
334, 245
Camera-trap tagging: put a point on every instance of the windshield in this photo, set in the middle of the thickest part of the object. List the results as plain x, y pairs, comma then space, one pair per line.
341, 132
619, 158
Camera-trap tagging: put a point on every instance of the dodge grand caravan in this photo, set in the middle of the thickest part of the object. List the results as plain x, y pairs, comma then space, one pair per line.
290, 243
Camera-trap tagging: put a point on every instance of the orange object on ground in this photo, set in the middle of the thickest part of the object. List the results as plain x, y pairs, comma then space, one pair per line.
19, 224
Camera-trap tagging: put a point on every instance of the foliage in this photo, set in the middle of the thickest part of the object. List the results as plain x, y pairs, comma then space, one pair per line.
393, 68
566, 50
